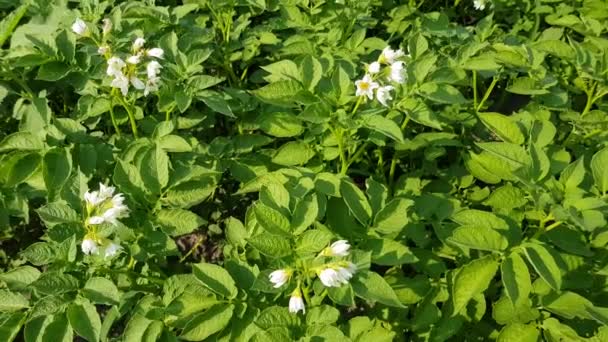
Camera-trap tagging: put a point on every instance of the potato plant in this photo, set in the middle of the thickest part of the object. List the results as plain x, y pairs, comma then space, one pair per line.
303, 170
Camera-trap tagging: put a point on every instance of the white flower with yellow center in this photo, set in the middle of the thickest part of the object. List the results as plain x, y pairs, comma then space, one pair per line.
155, 52
338, 248
366, 86
115, 66
479, 5
138, 44
89, 246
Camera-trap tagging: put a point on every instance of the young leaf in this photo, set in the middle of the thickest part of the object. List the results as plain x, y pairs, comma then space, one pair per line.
472, 279
356, 201
101, 290
479, 237
271, 245
216, 279
515, 278
208, 323
503, 126
85, 320
177, 222
272, 220
293, 153
371, 286
382, 125
599, 167
544, 264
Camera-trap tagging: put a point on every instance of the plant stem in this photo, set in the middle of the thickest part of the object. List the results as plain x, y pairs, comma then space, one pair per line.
131, 118
196, 245
168, 114
357, 154
391, 171
113, 118
487, 94
475, 90
590, 99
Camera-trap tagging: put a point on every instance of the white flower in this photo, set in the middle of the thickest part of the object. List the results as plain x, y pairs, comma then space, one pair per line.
479, 5
137, 83
95, 220
383, 94
121, 82
107, 26
80, 27
115, 65
138, 44
155, 52
89, 246
373, 68
296, 303
111, 250
113, 214
329, 277
366, 86
103, 49
335, 277
135, 59
106, 191
151, 85
279, 278
153, 69
93, 198
389, 56
338, 248
397, 72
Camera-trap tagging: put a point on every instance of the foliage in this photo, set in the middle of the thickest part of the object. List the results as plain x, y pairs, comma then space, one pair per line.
311, 170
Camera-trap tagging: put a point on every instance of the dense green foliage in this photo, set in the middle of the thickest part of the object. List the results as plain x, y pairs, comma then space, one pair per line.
290, 175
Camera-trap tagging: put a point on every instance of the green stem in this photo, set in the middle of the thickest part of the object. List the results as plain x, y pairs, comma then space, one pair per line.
131, 118
391, 171
168, 114
475, 90
196, 245
487, 94
357, 105
339, 135
357, 154
590, 99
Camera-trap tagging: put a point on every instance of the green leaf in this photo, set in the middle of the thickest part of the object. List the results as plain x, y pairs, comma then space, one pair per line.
216, 279
20, 277
39, 253
129, 180
280, 93
272, 220
519, 333
293, 153
503, 126
356, 201
102, 291
311, 72
544, 264
85, 320
442, 93
382, 125
10, 301
56, 169
472, 279
599, 168
57, 212
514, 155
420, 112
281, 124
323, 314
189, 194
174, 143
236, 233
371, 286
479, 237
389, 252
216, 102
515, 278
177, 222
207, 323
507, 197
313, 241
393, 217
271, 245
526, 86
53, 283
154, 169
53, 71
305, 213
58, 330
10, 325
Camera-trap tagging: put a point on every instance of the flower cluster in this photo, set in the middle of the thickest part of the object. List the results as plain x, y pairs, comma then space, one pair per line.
102, 206
127, 72
388, 68
105, 207
333, 274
